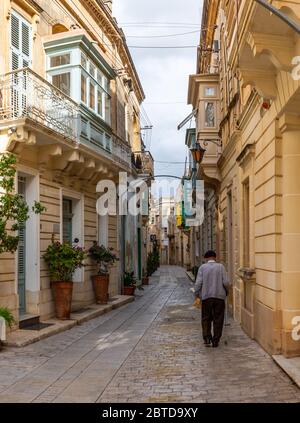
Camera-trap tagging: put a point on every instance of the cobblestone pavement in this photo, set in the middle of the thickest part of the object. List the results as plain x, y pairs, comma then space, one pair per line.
148, 351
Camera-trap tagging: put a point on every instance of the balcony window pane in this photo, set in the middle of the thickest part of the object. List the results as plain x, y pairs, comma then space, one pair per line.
83, 61
83, 88
100, 102
63, 82
210, 92
61, 60
107, 108
210, 120
92, 96
99, 77
92, 70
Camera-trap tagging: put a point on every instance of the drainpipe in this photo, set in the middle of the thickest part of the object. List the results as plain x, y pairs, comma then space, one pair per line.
279, 14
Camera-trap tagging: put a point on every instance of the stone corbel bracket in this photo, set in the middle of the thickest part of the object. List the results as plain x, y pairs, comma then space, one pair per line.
279, 49
247, 274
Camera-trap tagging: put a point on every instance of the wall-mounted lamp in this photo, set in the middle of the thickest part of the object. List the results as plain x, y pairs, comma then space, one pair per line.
198, 153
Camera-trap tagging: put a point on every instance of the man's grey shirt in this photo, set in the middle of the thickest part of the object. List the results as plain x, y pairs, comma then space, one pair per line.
212, 281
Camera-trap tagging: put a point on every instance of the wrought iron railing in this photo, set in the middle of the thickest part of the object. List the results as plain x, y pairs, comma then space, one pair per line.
143, 162
121, 152
24, 94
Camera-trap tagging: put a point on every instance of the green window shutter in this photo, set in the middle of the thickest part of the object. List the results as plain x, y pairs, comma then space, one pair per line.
22, 253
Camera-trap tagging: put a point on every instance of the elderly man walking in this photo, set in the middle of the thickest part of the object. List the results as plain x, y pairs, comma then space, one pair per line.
212, 286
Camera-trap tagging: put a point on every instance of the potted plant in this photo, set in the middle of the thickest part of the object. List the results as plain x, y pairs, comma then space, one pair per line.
129, 281
145, 279
105, 258
63, 259
7, 317
130, 284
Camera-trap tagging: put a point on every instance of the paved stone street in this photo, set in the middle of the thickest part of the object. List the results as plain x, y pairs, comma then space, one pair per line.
148, 351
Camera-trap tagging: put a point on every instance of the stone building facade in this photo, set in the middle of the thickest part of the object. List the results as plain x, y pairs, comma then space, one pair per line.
246, 94
69, 110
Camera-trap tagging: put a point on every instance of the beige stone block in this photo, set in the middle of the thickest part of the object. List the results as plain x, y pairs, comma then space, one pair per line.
10, 301
47, 310
291, 166
269, 298
6, 277
265, 156
268, 243
267, 328
291, 220
268, 207
290, 347
46, 295
270, 225
267, 171
49, 191
7, 288
270, 188
291, 290
269, 279
7, 266
268, 261
265, 138
291, 253
288, 315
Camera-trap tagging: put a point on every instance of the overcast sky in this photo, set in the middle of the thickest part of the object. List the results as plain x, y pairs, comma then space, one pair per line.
163, 72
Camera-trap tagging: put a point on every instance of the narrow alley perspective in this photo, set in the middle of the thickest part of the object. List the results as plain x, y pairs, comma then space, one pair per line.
151, 349
149, 209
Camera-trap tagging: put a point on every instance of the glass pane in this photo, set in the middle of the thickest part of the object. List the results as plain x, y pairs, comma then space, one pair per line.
99, 77
63, 82
83, 61
210, 92
92, 69
83, 88
106, 84
107, 108
92, 96
210, 115
64, 59
100, 103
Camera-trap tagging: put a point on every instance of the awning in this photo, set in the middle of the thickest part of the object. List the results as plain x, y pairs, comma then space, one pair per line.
187, 119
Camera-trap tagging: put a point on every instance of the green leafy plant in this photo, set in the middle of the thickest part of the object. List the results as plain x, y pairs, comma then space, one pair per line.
14, 211
104, 257
7, 316
63, 260
153, 261
130, 280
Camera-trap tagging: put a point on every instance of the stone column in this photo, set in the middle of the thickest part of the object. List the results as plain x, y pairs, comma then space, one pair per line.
290, 281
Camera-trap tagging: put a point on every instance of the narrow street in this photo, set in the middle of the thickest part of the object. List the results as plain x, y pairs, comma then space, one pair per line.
148, 351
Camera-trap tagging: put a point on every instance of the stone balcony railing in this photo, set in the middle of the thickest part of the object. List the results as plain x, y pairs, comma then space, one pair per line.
26, 96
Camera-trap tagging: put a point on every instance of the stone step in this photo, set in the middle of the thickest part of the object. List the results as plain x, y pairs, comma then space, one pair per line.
27, 320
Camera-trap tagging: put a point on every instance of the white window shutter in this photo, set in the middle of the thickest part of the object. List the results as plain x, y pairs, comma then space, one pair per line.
21, 42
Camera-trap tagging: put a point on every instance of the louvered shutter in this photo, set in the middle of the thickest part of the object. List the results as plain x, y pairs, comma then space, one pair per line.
21, 48
22, 252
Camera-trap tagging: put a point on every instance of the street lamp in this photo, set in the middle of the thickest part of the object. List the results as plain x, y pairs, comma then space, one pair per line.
198, 153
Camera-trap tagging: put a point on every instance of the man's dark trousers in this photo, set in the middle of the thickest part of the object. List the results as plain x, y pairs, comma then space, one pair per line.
213, 312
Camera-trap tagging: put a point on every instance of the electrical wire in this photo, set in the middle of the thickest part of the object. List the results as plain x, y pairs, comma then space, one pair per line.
163, 36
162, 47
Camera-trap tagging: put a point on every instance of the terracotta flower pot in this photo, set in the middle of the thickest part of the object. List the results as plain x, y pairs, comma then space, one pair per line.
146, 280
129, 290
63, 292
100, 284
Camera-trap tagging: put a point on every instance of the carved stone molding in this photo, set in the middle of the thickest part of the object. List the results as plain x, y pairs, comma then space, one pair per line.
246, 154
263, 80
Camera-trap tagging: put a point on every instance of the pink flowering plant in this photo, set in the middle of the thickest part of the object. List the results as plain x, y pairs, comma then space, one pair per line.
63, 259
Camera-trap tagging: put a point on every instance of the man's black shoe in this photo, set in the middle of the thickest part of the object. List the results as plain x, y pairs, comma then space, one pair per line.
215, 344
207, 341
